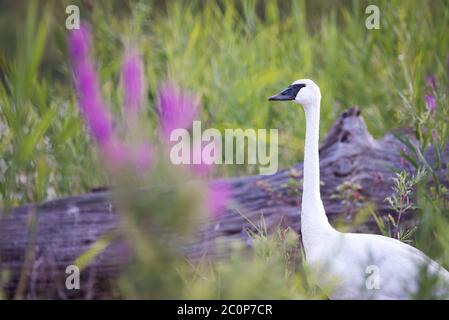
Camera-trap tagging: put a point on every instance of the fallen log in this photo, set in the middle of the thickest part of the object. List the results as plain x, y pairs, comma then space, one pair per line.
38, 241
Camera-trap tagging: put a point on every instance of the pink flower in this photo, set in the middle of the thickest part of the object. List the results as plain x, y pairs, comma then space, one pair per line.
430, 102
79, 44
218, 198
115, 153
87, 86
142, 157
94, 111
133, 81
178, 110
175, 108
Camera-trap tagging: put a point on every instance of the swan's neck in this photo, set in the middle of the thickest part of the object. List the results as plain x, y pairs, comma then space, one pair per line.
313, 217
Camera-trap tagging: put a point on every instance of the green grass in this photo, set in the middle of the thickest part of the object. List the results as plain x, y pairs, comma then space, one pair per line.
234, 54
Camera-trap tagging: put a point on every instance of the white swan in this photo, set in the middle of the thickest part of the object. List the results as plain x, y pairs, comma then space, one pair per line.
355, 266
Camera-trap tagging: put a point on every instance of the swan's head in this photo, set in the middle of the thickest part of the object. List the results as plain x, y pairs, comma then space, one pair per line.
303, 91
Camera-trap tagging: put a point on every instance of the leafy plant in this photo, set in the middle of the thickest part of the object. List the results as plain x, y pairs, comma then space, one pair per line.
232, 54
402, 200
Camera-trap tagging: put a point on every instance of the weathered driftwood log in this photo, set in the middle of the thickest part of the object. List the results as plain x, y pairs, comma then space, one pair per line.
38, 241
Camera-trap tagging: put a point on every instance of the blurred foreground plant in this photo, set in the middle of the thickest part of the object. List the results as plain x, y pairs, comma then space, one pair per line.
160, 204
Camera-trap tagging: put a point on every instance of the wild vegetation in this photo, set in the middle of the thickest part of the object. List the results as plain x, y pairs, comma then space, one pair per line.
224, 58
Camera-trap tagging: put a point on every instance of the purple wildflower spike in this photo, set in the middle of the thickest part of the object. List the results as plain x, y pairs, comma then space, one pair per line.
142, 157
133, 81
87, 85
79, 44
115, 153
176, 109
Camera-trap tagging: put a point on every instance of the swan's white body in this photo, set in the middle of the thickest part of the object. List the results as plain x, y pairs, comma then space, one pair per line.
351, 266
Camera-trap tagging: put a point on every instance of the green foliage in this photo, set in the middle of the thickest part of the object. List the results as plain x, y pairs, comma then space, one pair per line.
271, 271
401, 201
44, 151
234, 54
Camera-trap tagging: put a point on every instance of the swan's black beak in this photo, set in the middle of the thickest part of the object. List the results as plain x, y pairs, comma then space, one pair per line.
287, 94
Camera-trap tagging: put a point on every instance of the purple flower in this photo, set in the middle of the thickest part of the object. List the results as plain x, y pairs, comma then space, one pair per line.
218, 198
91, 104
175, 109
133, 81
94, 111
115, 153
87, 86
430, 102
432, 82
142, 157
79, 44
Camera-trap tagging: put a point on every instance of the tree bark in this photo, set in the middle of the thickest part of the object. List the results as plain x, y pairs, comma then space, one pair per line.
38, 241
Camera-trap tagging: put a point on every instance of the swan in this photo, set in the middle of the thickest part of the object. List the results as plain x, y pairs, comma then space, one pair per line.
351, 265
